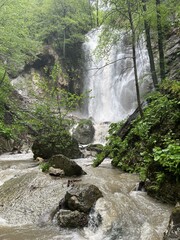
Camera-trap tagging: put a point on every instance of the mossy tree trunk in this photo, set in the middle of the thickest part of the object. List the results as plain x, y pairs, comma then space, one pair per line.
160, 40
149, 46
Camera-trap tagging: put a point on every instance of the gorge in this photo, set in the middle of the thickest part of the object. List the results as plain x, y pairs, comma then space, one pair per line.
127, 214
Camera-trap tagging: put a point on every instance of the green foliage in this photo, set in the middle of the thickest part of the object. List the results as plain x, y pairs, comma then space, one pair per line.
151, 147
17, 43
168, 158
45, 167
64, 22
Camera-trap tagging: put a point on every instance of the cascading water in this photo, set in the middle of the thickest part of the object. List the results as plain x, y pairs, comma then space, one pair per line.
111, 83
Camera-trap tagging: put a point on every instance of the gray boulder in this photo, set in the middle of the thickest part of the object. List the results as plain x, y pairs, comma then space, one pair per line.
84, 133
77, 204
70, 167
82, 197
72, 219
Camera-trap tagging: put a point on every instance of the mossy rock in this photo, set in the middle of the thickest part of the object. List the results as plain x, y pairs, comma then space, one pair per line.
49, 145
70, 168
84, 133
168, 192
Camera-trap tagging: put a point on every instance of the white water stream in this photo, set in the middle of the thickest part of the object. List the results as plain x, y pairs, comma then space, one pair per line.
111, 82
28, 196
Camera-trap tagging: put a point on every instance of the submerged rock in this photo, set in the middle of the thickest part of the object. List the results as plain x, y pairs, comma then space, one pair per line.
70, 167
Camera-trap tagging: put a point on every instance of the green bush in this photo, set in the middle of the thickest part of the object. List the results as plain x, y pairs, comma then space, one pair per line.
151, 146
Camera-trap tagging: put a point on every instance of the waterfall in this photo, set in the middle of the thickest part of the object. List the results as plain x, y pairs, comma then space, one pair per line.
111, 82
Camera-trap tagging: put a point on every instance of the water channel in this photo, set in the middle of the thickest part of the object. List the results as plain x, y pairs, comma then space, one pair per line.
28, 197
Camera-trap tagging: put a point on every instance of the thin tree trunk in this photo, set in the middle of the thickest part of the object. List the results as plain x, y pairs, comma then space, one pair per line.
149, 47
97, 13
160, 41
4, 75
134, 58
64, 44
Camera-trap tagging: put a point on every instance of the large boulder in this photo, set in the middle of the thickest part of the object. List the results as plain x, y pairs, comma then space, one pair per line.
48, 146
84, 132
82, 197
173, 231
77, 204
70, 167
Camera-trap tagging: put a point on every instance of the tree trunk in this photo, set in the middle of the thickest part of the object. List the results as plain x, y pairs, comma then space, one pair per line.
97, 13
160, 41
2, 80
149, 47
64, 44
134, 57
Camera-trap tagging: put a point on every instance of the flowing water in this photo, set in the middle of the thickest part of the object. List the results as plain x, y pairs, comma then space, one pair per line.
111, 81
28, 198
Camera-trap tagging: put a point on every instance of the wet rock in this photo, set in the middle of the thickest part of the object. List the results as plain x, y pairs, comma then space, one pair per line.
70, 167
84, 133
39, 160
72, 219
168, 192
95, 148
46, 147
82, 197
5, 145
56, 172
173, 230
76, 207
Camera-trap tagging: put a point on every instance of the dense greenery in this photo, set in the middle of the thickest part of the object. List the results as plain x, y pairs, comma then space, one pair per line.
26, 26
151, 147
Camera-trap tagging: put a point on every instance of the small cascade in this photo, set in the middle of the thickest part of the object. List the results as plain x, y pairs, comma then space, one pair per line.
111, 83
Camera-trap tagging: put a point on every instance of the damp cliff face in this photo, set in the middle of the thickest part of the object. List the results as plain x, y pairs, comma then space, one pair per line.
111, 83
27, 82
172, 54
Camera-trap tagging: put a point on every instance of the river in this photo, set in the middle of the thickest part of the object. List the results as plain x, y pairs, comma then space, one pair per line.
28, 197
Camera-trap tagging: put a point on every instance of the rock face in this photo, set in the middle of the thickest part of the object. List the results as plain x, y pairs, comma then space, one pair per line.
84, 133
172, 55
47, 147
173, 231
5, 145
76, 205
70, 168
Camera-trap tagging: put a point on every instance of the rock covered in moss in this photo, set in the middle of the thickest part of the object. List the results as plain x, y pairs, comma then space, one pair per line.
47, 146
70, 167
84, 133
